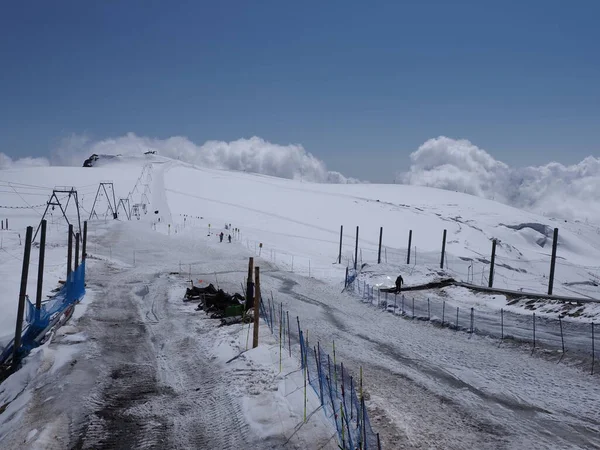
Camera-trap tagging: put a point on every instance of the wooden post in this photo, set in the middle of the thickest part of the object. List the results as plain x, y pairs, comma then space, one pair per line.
409, 244
553, 261
84, 246
70, 253
356, 249
443, 250
250, 285
40, 278
341, 236
493, 261
77, 252
22, 295
256, 308
380, 239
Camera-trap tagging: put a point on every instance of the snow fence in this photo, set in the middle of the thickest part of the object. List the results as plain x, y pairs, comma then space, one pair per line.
553, 336
38, 322
340, 394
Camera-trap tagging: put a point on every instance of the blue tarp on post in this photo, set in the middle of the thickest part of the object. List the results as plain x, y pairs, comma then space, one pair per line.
37, 321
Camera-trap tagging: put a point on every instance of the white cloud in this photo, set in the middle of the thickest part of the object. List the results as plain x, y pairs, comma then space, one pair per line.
252, 155
6, 162
553, 189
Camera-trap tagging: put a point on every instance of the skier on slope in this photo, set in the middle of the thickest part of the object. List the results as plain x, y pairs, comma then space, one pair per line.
229, 237
399, 282
221, 237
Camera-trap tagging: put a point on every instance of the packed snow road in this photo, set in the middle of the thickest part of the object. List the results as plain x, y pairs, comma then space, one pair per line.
147, 375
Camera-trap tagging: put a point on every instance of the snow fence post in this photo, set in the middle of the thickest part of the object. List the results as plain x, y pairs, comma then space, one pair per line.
491, 279
70, 253
335, 370
289, 332
343, 390
409, 244
553, 261
77, 252
472, 318
341, 236
351, 395
22, 297
562, 338
319, 372
301, 343
533, 324
256, 308
356, 249
380, 239
443, 311
84, 244
250, 285
593, 352
40, 279
443, 250
457, 318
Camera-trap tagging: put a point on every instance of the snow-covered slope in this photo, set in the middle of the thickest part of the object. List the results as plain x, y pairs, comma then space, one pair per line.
425, 388
299, 223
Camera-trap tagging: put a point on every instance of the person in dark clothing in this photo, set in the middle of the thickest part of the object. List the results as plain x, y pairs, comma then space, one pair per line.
399, 282
221, 237
229, 237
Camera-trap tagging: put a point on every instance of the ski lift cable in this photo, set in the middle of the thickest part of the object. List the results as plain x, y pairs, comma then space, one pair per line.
25, 201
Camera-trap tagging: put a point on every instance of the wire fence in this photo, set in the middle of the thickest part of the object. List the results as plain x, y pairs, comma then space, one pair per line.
542, 333
339, 392
512, 270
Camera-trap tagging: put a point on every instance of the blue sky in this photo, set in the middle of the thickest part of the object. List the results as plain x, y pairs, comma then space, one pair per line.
359, 84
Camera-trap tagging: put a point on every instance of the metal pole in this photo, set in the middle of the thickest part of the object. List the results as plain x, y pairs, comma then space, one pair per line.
341, 237
553, 261
22, 295
40, 278
443, 250
380, 239
491, 280
409, 244
356, 249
